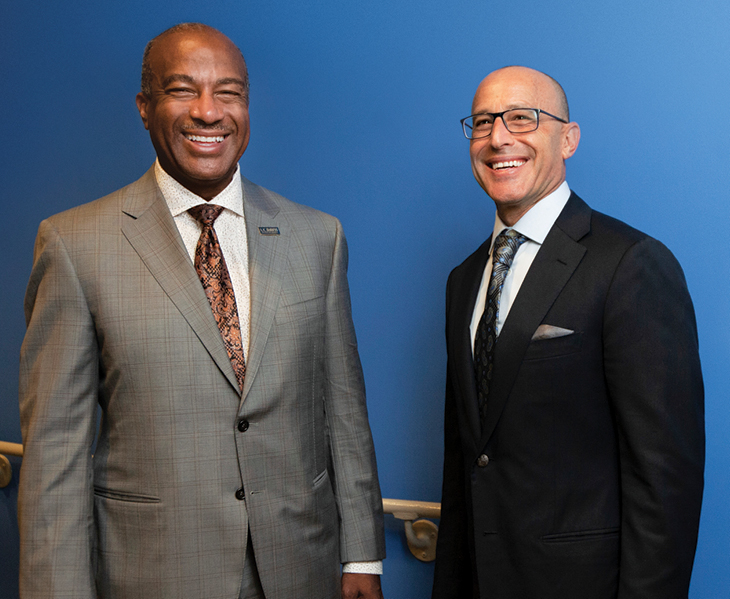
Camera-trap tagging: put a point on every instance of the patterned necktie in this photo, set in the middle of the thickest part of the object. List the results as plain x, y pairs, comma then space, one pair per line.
213, 273
505, 248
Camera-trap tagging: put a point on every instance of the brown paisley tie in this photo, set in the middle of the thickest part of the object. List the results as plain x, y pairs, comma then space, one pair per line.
213, 273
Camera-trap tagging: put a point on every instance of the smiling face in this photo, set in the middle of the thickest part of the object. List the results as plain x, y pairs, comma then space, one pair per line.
197, 108
518, 170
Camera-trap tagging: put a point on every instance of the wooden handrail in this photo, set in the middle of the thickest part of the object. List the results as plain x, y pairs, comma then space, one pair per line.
420, 534
405, 509
402, 509
15, 449
6, 470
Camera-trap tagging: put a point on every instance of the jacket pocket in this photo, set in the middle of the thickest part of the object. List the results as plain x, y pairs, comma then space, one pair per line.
320, 479
583, 535
121, 496
298, 309
540, 349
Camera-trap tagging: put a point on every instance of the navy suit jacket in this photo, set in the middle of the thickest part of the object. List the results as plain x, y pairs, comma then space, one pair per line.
592, 452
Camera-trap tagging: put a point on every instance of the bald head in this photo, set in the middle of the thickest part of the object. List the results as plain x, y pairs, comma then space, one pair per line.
200, 28
550, 92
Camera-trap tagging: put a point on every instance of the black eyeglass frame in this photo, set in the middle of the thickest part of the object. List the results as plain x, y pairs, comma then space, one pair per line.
495, 115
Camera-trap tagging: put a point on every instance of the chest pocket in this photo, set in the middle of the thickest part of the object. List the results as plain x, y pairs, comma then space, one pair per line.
542, 349
293, 308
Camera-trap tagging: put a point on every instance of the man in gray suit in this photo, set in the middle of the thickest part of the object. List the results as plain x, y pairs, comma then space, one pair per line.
234, 457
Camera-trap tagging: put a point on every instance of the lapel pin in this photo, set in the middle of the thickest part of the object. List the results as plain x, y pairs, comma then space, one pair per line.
269, 231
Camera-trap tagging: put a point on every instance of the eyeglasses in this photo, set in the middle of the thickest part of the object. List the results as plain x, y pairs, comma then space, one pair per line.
516, 120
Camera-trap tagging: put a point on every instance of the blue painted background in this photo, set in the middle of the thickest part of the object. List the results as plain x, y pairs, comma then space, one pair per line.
355, 110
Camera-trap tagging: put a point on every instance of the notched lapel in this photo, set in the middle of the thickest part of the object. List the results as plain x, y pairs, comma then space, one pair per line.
151, 231
464, 287
267, 257
552, 268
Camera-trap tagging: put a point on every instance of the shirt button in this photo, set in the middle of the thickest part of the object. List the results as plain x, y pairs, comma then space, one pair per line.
243, 425
240, 494
483, 460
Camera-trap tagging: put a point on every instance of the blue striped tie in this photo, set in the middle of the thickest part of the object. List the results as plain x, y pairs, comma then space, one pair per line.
505, 248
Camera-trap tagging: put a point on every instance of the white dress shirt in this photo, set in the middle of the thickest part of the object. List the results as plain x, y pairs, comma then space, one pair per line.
230, 227
535, 224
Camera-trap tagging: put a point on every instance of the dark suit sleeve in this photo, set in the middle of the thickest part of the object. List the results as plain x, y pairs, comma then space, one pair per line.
655, 385
58, 398
453, 572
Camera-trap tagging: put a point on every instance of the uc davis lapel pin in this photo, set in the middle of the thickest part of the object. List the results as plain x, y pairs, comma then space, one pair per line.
269, 231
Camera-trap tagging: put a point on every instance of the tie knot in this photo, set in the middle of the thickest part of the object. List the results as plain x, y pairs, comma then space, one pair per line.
506, 244
206, 214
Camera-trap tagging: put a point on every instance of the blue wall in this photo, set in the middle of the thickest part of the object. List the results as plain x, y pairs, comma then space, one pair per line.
354, 110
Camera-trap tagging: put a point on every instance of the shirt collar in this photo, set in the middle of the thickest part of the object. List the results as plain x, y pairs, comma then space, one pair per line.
180, 199
536, 223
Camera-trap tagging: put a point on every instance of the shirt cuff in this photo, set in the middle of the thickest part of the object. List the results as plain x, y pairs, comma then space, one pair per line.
363, 567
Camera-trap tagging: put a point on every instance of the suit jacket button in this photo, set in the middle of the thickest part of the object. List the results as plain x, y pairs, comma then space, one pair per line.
243, 425
240, 494
483, 460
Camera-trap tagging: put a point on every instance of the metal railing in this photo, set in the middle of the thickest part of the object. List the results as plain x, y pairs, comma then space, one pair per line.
421, 534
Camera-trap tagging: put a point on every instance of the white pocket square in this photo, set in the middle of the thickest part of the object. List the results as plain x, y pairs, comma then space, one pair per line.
548, 331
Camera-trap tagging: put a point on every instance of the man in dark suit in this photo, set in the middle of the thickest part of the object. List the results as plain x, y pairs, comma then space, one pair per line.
574, 427
209, 319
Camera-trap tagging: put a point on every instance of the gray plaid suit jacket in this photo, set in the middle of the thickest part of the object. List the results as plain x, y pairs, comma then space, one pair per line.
117, 318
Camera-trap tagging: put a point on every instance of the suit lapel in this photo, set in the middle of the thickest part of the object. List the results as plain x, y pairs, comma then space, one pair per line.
268, 242
552, 268
151, 231
464, 294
